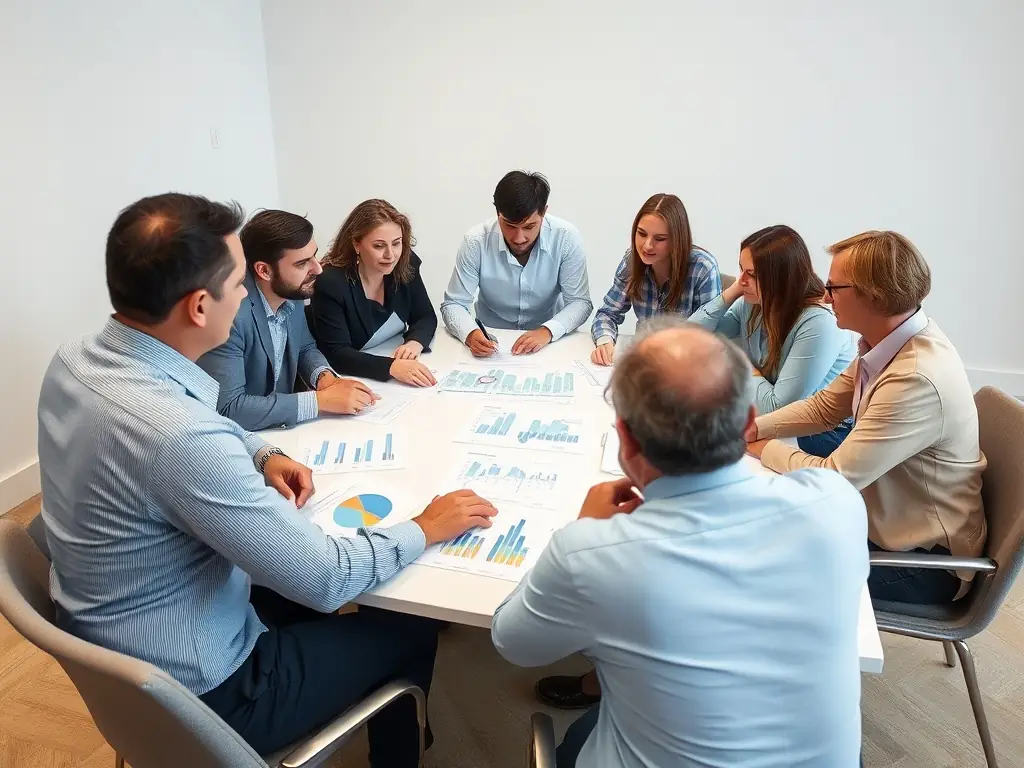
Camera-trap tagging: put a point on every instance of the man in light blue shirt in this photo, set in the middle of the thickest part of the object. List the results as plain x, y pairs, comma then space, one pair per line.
526, 270
159, 511
721, 612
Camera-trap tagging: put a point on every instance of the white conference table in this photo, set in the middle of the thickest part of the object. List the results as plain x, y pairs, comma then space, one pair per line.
429, 424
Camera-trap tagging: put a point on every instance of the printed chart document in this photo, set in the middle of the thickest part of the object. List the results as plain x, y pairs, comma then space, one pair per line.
377, 449
506, 550
345, 509
610, 457
594, 375
523, 381
544, 428
517, 477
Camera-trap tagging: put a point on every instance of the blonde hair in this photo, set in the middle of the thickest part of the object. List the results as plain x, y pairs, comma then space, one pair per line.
886, 268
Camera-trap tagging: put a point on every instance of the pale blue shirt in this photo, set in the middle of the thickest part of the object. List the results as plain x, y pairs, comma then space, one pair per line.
277, 322
721, 617
156, 517
814, 352
551, 290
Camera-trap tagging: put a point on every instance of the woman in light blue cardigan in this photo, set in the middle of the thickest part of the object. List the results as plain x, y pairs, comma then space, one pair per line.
775, 312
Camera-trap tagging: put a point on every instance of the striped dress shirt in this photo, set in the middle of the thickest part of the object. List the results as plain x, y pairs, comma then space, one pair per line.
156, 516
703, 283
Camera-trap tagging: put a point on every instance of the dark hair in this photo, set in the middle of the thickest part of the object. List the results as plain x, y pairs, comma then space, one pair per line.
519, 195
366, 217
788, 284
270, 233
688, 429
163, 248
671, 210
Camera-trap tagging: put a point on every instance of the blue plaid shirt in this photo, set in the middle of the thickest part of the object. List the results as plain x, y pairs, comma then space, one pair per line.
703, 283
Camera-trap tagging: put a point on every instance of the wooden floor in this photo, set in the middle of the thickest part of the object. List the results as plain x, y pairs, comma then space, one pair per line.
916, 714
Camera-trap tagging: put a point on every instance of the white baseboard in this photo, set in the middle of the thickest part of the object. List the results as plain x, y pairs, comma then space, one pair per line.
19, 487
1011, 382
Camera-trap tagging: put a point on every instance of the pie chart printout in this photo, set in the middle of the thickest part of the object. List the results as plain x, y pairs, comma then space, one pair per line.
366, 509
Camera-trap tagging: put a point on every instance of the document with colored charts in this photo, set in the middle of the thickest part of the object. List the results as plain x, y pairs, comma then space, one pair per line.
522, 381
342, 509
542, 427
506, 550
376, 449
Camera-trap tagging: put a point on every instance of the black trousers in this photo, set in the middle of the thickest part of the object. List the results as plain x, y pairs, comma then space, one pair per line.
310, 667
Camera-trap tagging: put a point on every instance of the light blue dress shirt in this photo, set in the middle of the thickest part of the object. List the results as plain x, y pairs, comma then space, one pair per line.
551, 290
721, 617
277, 322
814, 352
155, 514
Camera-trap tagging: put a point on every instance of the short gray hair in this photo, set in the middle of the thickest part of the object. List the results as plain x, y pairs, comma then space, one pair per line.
684, 429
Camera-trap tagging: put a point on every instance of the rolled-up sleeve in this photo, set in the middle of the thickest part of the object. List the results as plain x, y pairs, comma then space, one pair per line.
575, 288
462, 288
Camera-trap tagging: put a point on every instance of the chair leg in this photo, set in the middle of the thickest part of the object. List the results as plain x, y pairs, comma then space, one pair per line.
950, 655
974, 692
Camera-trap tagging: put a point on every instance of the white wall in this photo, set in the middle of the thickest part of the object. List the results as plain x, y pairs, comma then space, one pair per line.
104, 102
880, 114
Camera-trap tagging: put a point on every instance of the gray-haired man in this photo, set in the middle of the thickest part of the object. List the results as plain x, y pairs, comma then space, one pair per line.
721, 611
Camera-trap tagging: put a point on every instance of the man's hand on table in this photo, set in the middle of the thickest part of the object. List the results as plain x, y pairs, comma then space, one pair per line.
531, 341
453, 514
343, 395
611, 498
292, 480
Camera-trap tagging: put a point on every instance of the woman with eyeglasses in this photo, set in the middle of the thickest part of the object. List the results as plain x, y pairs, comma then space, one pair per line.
776, 312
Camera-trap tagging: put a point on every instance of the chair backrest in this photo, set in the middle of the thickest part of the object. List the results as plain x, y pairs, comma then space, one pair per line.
1001, 431
149, 718
727, 280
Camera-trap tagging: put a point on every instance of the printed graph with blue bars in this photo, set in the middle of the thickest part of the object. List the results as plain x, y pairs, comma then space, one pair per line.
335, 454
498, 382
509, 549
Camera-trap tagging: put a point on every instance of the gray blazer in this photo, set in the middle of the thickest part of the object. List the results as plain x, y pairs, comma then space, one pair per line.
244, 366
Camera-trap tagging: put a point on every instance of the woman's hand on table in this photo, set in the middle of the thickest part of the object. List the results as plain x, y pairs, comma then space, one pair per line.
603, 354
408, 351
412, 372
453, 514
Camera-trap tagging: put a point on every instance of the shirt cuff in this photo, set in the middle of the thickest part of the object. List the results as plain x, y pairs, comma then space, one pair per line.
604, 340
556, 328
410, 540
315, 377
309, 408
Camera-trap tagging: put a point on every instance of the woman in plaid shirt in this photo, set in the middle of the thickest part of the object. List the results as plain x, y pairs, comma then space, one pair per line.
663, 271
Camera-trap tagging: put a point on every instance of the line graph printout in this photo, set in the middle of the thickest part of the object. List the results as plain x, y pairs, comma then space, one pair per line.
525, 426
517, 477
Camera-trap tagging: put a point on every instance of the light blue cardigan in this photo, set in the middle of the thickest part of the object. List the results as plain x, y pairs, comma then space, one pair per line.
814, 352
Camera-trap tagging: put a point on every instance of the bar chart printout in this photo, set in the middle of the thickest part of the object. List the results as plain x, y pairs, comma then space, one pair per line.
522, 381
328, 455
506, 551
542, 428
506, 478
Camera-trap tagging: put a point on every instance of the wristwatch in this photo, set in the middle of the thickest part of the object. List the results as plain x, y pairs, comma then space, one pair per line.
262, 461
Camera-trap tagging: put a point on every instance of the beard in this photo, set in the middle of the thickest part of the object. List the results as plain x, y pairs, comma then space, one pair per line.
290, 291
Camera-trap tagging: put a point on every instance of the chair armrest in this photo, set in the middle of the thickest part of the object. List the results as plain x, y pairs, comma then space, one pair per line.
928, 560
542, 741
337, 732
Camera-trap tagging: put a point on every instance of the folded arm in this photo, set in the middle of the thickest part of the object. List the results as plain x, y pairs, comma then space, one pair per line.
816, 345
719, 317
819, 413
335, 339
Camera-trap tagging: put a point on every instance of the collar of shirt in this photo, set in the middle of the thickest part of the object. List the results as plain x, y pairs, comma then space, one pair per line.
141, 346
668, 486
283, 311
873, 360
543, 243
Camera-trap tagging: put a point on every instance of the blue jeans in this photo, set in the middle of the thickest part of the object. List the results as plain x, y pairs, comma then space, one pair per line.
824, 443
575, 737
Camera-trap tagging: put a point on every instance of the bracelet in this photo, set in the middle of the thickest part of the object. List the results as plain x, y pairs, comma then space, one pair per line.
266, 457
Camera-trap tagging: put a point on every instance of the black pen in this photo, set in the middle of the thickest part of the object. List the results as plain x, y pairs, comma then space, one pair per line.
484, 331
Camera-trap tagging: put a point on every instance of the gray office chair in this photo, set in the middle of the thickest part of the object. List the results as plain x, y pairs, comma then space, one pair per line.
542, 741
1001, 422
727, 280
150, 719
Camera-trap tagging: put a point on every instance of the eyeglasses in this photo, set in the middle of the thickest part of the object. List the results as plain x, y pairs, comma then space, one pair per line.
829, 289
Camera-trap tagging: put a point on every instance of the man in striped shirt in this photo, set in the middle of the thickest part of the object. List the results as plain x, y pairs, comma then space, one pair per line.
159, 512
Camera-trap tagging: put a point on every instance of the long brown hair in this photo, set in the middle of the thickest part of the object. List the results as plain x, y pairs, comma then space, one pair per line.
671, 210
366, 217
787, 282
